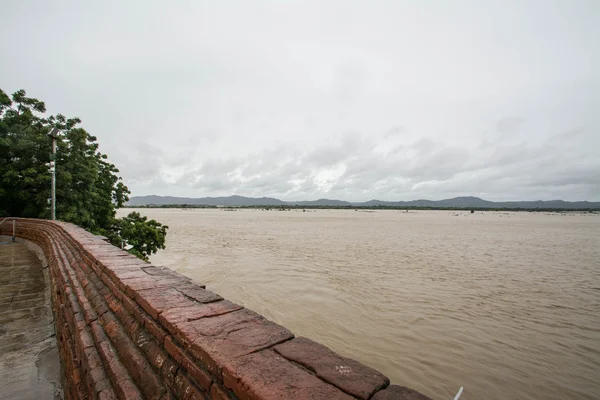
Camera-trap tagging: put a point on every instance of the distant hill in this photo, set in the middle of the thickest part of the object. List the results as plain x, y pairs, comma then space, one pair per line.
206, 201
457, 202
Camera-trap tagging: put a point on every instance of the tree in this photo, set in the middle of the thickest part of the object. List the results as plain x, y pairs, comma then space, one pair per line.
88, 187
145, 237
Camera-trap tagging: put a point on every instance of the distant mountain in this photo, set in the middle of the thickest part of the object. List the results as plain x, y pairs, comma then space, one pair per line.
459, 202
321, 202
206, 201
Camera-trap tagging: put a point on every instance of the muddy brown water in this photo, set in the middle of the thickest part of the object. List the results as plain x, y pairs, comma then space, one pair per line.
505, 304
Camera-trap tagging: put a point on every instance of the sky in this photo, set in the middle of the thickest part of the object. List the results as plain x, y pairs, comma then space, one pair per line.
350, 100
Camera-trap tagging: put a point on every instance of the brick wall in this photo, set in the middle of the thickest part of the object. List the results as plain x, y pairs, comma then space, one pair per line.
129, 330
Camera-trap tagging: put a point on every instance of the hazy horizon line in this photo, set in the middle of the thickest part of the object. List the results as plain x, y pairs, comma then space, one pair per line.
365, 201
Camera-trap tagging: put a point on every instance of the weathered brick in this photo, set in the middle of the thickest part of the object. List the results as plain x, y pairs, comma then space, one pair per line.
106, 395
168, 396
135, 326
154, 328
126, 388
175, 351
98, 283
98, 302
267, 375
219, 339
85, 340
164, 272
218, 392
154, 301
108, 318
169, 371
185, 389
112, 286
114, 260
133, 285
200, 377
132, 359
175, 318
149, 383
351, 376
76, 375
125, 272
123, 384
127, 320
155, 354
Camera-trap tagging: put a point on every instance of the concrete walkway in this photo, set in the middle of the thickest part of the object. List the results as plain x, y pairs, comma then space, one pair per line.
29, 362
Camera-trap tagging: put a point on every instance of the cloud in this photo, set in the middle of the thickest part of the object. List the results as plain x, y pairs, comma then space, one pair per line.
354, 168
337, 99
509, 125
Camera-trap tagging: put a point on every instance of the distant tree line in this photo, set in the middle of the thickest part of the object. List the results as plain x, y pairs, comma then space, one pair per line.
379, 207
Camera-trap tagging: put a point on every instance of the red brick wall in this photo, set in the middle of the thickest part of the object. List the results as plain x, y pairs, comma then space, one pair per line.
129, 330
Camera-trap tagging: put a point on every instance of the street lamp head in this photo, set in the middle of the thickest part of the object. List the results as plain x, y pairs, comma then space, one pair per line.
53, 133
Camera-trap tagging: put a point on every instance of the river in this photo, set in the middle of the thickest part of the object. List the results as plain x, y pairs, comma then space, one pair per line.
505, 304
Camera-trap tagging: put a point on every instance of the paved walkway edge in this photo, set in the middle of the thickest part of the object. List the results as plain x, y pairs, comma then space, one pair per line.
29, 368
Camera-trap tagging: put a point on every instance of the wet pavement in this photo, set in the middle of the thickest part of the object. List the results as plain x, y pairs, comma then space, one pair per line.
29, 362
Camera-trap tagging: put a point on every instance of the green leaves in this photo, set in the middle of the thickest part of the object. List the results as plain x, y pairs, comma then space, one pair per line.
145, 237
88, 188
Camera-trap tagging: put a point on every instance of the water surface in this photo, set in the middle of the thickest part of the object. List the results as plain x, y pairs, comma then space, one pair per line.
505, 304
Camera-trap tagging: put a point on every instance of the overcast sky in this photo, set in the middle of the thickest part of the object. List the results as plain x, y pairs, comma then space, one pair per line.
354, 100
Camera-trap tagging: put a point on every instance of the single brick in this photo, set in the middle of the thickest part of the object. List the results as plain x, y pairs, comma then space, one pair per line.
125, 272
266, 375
106, 395
168, 396
169, 371
144, 319
165, 272
349, 375
155, 354
199, 293
154, 301
112, 286
175, 351
85, 340
200, 377
216, 340
76, 376
218, 392
150, 383
185, 389
127, 320
126, 389
154, 328
177, 319
131, 306
133, 285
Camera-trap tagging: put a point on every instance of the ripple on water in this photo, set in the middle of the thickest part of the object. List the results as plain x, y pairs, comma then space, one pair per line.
504, 304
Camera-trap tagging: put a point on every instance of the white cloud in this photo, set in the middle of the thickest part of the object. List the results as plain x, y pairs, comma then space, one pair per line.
388, 100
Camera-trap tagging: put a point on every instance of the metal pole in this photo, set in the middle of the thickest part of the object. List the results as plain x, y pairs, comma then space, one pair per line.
14, 230
53, 171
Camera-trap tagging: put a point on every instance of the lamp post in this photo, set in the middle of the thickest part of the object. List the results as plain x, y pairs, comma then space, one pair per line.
52, 134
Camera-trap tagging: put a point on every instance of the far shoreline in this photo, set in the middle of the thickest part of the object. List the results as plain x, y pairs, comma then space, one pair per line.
372, 208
